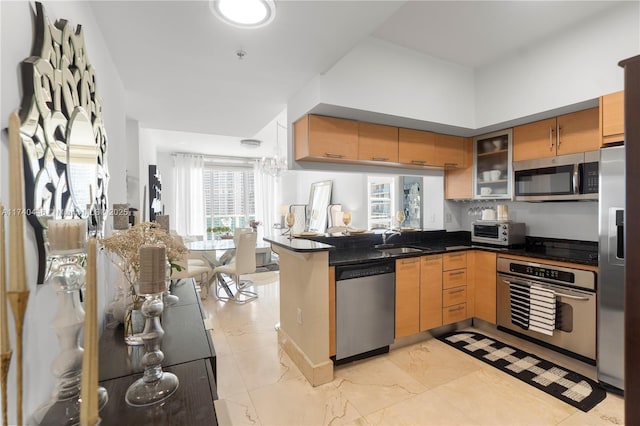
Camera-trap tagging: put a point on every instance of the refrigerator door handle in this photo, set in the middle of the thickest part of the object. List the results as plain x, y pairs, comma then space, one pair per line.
616, 236
620, 234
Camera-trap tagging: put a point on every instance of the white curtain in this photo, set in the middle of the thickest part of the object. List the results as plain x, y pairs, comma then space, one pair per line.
189, 191
266, 196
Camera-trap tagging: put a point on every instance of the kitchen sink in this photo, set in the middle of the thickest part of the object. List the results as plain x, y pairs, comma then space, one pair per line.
400, 250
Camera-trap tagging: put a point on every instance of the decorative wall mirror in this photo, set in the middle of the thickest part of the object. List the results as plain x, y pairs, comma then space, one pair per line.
319, 200
63, 136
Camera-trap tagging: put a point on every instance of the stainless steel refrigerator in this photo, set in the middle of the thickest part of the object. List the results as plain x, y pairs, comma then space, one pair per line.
610, 356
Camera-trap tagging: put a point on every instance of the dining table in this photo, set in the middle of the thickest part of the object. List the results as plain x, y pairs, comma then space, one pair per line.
218, 252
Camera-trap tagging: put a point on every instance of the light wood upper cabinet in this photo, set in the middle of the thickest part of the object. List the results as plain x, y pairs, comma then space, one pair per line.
612, 118
325, 138
377, 142
458, 182
416, 147
578, 132
565, 134
449, 151
534, 140
430, 292
407, 296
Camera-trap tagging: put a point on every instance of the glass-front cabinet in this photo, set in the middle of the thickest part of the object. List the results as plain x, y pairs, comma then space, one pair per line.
492, 174
381, 202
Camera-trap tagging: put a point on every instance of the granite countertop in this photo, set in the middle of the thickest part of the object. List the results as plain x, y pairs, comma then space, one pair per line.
297, 244
356, 249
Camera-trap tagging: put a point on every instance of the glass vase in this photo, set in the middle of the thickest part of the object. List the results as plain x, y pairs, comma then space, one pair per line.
67, 276
133, 320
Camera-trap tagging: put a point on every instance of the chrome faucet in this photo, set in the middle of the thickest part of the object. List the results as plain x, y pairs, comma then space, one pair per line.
386, 235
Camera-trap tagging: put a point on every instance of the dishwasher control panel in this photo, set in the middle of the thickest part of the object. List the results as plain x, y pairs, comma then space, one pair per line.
364, 270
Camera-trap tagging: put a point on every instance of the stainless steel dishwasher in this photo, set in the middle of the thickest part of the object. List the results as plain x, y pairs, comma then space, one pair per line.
365, 309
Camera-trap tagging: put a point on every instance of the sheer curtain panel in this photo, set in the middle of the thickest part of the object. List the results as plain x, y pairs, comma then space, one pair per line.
267, 196
189, 195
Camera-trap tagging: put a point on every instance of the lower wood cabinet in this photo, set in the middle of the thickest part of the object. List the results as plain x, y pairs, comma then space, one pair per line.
407, 296
484, 279
454, 313
430, 292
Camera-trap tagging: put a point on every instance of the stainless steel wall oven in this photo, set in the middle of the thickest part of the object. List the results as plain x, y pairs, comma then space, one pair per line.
550, 304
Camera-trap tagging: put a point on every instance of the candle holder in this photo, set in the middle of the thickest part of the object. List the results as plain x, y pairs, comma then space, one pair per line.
67, 276
155, 385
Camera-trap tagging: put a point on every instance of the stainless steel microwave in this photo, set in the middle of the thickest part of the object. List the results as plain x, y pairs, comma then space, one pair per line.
500, 233
560, 178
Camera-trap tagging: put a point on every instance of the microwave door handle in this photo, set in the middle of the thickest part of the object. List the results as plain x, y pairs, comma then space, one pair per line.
576, 179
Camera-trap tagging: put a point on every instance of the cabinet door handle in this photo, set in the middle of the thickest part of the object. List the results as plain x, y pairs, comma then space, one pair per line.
558, 136
333, 155
379, 158
456, 254
456, 309
551, 138
418, 161
412, 260
459, 290
456, 273
451, 164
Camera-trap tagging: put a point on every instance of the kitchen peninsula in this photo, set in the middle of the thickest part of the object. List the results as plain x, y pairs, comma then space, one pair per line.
304, 305
457, 283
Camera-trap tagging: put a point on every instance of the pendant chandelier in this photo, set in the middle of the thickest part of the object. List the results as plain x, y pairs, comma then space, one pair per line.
275, 166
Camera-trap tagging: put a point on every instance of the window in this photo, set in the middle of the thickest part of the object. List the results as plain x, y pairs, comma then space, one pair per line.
229, 197
381, 201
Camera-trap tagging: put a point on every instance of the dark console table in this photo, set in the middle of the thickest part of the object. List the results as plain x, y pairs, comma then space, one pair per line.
189, 353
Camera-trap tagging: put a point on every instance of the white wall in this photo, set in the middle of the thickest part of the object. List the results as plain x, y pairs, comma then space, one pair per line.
40, 343
565, 69
578, 65
567, 220
133, 163
381, 77
148, 155
350, 190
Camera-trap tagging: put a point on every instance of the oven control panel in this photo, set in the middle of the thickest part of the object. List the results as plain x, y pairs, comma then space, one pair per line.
552, 274
543, 272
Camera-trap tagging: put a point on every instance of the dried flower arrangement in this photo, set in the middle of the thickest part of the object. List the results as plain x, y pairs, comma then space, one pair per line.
125, 246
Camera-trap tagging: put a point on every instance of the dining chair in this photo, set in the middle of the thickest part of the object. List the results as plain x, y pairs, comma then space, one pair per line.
244, 262
193, 266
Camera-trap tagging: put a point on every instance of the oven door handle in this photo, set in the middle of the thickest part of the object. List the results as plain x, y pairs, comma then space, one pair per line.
527, 283
568, 296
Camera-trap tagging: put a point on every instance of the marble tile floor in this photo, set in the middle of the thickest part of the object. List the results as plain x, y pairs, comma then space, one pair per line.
425, 383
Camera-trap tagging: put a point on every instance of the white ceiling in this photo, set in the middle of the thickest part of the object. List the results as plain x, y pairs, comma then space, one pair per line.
179, 66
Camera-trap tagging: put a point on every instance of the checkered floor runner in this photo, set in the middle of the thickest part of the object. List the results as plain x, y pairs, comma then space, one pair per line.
566, 385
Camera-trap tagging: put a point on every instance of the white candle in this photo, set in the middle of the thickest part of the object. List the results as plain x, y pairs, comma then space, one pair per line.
66, 236
17, 278
89, 383
153, 264
5, 344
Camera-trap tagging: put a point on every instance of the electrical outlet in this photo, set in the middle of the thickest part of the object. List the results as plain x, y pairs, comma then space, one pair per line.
299, 316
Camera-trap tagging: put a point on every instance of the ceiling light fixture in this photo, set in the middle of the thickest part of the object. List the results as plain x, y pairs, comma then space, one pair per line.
253, 143
244, 13
275, 166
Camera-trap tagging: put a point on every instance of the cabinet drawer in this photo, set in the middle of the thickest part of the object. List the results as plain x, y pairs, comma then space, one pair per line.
455, 278
454, 313
454, 261
454, 296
